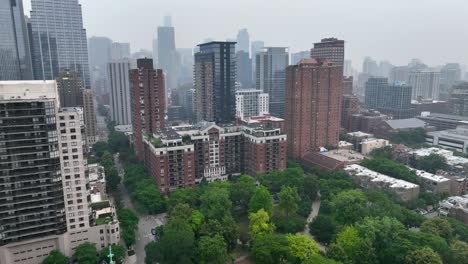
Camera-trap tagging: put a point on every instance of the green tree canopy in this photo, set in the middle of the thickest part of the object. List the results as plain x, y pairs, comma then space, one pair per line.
438, 226
289, 200
226, 227
177, 243
459, 252
242, 191
349, 247
261, 199
118, 251
128, 224
270, 249
302, 247
432, 163
212, 250
323, 228
423, 256
215, 203
151, 252
86, 253
350, 206
260, 224
56, 257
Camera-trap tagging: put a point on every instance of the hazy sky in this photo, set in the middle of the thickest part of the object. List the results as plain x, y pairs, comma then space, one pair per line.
396, 30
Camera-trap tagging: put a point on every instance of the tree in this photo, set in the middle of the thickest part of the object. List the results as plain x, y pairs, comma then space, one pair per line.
459, 252
311, 186
260, 224
242, 191
423, 256
118, 251
391, 168
438, 226
261, 200
112, 179
150, 198
56, 257
349, 247
323, 228
215, 203
226, 227
432, 163
188, 196
151, 252
289, 200
86, 253
301, 247
177, 243
128, 224
269, 249
212, 250
350, 206
319, 259
107, 160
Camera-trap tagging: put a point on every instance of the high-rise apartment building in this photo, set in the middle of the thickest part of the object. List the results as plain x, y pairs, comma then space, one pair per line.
70, 89
119, 82
89, 109
168, 57
243, 41
450, 74
399, 74
215, 81
370, 67
298, 56
314, 91
393, 100
147, 100
331, 49
348, 85
251, 102
120, 51
349, 108
255, 47
425, 84
100, 49
244, 69
271, 76
15, 54
59, 39
458, 102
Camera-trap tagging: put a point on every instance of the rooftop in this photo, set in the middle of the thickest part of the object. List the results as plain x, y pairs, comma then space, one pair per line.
28, 90
359, 134
446, 116
452, 160
406, 123
429, 176
360, 171
460, 133
344, 155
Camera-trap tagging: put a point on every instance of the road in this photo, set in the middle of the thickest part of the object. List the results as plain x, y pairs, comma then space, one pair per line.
146, 223
310, 218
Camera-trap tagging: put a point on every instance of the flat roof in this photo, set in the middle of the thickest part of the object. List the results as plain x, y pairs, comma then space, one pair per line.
344, 155
406, 123
359, 134
452, 160
429, 176
28, 90
361, 171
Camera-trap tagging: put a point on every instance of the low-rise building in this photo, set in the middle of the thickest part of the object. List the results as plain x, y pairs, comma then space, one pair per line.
369, 179
332, 160
370, 144
389, 127
443, 121
455, 206
456, 139
345, 145
433, 183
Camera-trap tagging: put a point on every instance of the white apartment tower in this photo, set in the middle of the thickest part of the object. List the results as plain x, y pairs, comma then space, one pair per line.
251, 102
425, 84
120, 110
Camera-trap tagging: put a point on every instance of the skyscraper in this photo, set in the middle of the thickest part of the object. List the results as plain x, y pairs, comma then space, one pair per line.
89, 111
458, 101
331, 49
298, 56
425, 84
120, 51
59, 39
148, 101
119, 82
70, 88
256, 47
450, 74
244, 69
348, 85
168, 56
393, 100
271, 76
251, 102
100, 54
370, 67
215, 80
243, 41
15, 52
313, 106
349, 108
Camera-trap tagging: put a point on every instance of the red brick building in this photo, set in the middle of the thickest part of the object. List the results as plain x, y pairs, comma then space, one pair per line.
350, 107
148, 101
314, 92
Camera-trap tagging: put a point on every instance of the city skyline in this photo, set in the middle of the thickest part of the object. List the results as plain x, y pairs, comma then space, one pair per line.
417, 40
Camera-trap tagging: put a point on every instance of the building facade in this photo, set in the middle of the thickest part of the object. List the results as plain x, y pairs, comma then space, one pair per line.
119, 83
59, 39
168, 58
243, 41
314, 92
298, 56
458, 101
350, 106
425, 84
251, 102
89, 116
15, 54
332, 49
215, 82
148, 102
120, 51
270, 77
244, 69
70, 88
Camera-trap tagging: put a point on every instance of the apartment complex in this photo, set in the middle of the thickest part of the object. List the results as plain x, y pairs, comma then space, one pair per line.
148, 102
425, 84
314, 91
182, 156
331, 49
251, 102
120, 110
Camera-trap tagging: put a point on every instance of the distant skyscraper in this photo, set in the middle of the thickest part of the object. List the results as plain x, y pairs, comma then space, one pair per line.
167, 21
393, 100
59, 39
399, 74
168, 57
100, 53
298, 56
314, 95
186, 65
370, 67
214, 81
155, 53
120, 51
15, 54
348, 68
271, 76
256, 47
450, 74
385, 69
251, 102
331, 49
148, 101
349, 108
458, 101
243, 41
425, 84
348, 85
244, 69
120, 92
